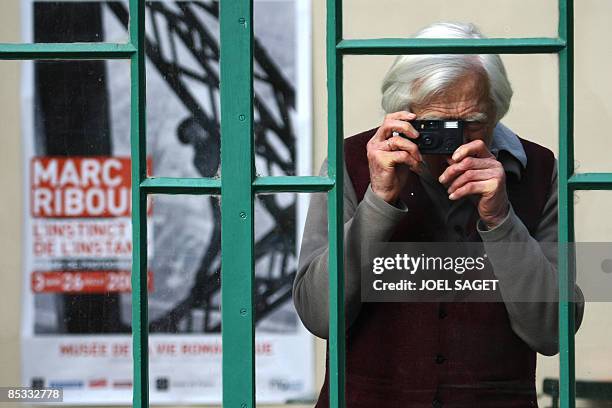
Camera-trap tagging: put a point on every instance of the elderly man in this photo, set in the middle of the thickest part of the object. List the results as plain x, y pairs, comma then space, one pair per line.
495, 188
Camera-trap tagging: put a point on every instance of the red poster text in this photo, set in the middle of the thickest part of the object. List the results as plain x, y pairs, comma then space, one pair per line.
84, 282
74, 187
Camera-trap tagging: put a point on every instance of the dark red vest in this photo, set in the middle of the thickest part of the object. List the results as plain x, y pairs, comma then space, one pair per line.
440, 354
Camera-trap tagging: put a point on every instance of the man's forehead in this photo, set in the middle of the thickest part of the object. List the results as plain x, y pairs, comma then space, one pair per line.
470, 117
473, 110
467, 98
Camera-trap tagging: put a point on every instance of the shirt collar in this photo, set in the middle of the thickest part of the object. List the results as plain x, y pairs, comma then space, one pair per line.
513, 157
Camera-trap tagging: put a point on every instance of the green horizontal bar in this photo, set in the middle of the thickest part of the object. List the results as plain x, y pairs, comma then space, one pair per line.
397, 46
297, 184
71, 51
591, 181
175, 185
193, 186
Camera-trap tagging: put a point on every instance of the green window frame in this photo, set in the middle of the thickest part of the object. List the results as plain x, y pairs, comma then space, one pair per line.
238, 184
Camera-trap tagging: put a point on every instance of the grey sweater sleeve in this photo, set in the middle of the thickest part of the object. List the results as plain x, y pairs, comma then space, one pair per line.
528, 270
373, 218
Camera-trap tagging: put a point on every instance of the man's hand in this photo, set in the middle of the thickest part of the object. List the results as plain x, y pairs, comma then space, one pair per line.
473, 170
391, 156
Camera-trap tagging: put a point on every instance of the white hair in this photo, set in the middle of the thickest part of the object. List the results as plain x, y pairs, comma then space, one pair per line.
414, 79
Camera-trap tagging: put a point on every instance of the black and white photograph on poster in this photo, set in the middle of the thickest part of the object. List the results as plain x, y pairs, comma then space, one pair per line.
76, 318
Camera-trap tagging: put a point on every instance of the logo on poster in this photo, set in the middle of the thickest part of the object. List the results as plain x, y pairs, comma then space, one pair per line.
98, 383
162, 383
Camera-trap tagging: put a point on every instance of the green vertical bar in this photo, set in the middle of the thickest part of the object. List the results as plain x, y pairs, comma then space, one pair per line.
566, 206
237, 203
140, 333
335, 139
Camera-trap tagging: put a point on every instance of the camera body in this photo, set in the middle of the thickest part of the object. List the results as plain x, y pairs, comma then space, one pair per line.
438, 136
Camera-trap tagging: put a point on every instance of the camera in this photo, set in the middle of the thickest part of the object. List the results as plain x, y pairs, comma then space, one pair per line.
438, 136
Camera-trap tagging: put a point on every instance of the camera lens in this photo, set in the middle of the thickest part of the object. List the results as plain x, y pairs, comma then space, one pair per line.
431, 124
427, 140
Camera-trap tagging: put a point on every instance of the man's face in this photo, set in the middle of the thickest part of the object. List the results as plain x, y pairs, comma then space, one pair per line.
466, 100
